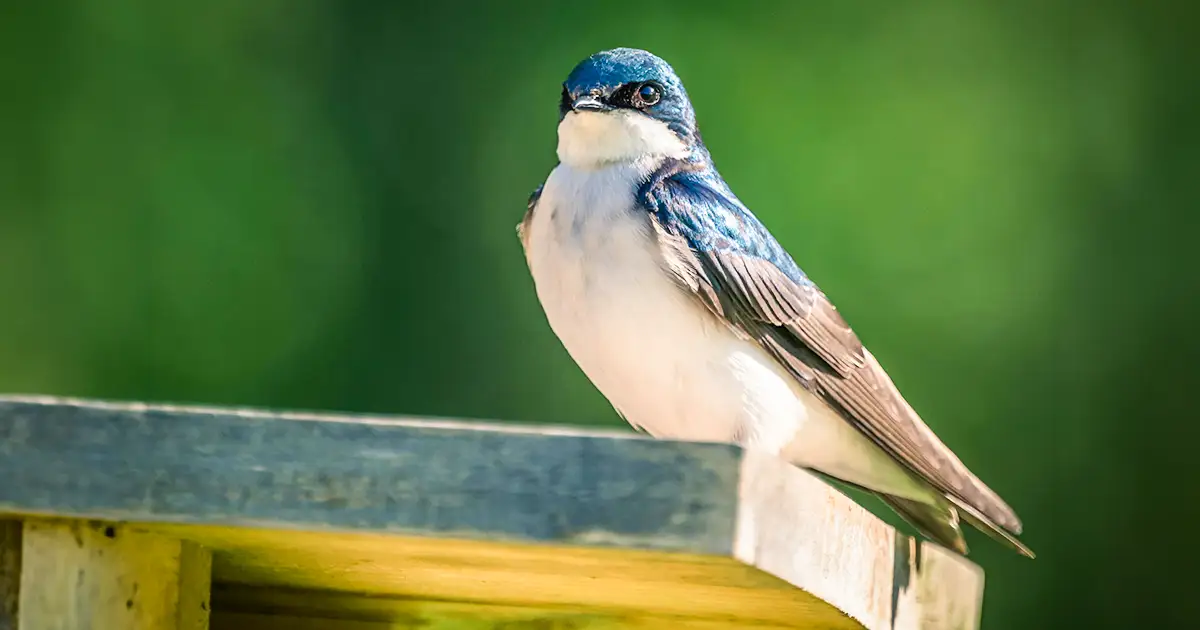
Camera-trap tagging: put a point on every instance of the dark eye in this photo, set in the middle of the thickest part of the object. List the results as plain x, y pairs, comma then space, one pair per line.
647, 95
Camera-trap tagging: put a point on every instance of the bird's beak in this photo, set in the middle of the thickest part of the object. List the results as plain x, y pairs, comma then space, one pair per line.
589, 104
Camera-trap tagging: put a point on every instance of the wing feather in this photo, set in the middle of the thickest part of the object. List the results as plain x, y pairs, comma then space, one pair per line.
720, 252
523, 226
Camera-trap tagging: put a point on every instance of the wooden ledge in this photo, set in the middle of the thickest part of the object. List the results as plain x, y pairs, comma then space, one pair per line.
374, 519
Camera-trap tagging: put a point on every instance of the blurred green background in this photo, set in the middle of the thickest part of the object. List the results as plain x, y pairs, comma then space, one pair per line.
311, 205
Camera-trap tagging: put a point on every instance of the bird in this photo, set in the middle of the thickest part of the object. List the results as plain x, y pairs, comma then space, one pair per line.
696, 324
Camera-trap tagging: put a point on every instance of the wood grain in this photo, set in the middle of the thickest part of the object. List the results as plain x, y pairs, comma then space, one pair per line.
385, 512
10, 572
611, 582
195, 587
790, 526
138, 463
244, 608
78, 575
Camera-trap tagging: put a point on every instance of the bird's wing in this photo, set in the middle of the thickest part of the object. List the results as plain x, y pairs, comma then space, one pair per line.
720, 252
523, 226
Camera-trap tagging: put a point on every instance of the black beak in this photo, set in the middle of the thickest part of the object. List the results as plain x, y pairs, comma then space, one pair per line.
589, 104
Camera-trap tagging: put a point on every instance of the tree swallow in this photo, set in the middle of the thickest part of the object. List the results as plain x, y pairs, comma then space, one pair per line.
692, 320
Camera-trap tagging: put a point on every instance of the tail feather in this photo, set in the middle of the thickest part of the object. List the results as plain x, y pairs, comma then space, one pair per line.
937, 523
995, 532
942, 522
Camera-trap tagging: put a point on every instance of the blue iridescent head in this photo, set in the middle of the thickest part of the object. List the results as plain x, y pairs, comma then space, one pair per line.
621, 104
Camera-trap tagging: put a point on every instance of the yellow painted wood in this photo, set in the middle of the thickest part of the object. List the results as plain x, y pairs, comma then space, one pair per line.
250, 621
237, 606
610, 583
304, 610
78, 575
10, 572
195, 581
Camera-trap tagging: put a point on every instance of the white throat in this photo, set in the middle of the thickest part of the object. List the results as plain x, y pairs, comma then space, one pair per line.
588, 140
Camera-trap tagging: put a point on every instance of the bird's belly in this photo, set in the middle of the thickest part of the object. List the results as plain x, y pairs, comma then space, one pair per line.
662, 360
666, 363
674, 370
658, 362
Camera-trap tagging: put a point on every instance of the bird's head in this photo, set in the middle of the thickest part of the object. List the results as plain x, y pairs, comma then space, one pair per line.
623, 104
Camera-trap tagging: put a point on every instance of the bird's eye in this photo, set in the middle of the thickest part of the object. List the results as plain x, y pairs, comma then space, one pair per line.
647, 95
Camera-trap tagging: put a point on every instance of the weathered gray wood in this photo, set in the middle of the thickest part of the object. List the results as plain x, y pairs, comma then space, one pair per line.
142, 463
791, 526
77, 575
10, 572
668, 520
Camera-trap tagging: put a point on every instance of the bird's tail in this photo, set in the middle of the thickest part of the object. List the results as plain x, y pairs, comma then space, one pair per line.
940, 523
984, 524
937, 523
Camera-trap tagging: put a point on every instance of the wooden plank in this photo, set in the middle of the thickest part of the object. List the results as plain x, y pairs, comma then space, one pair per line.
431, 621
790, 526
195, 586
10, 572
242, 608
602, 582
496, 514
78, 575
139, 463
254, 621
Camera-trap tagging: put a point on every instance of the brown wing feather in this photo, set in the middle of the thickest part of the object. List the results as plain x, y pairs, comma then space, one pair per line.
523, 226
800, 327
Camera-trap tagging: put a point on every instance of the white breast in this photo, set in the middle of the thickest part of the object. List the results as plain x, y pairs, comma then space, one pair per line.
663, 361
